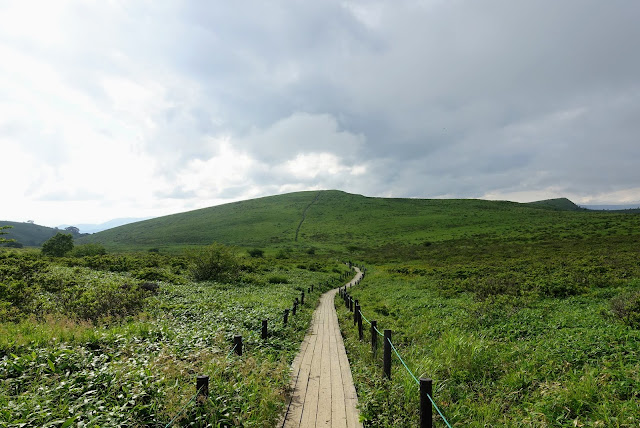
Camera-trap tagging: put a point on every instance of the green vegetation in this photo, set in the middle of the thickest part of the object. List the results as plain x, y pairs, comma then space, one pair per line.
3, 240
537, 332
523, 314
32, 235
341, 223
58, 245
90, 341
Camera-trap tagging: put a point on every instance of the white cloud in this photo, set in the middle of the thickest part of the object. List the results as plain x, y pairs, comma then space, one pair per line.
115, 109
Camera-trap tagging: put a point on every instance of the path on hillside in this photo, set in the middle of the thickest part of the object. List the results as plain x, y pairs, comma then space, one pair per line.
323, 391
304, 214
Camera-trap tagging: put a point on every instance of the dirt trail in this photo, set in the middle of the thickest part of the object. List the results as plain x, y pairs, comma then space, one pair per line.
304, 214
323, 390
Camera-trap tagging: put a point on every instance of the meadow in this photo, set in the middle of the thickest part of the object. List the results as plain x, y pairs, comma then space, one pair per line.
534, 334
84, 343
523, 314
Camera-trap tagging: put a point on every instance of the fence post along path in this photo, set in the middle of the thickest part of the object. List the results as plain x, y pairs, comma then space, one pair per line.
323, 394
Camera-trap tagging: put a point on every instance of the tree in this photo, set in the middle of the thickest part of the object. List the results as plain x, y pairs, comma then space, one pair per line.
4, 233
73, 230
58, 245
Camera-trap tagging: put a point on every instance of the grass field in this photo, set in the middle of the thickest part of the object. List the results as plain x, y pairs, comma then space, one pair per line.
139, 369
523, 314
513, 333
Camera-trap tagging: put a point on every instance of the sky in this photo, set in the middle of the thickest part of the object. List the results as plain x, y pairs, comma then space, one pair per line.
138, 108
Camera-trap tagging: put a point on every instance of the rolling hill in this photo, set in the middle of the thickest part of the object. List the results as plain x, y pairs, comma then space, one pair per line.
335, 220
28, 234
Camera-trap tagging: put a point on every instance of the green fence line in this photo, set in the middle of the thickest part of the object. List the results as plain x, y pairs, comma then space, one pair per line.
408, 370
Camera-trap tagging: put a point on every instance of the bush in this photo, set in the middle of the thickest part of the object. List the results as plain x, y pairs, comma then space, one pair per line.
626, 307
58, 245
88, 250
215, 262
256, 252
278, 279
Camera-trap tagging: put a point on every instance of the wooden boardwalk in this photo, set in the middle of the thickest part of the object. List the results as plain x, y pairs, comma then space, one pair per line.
323, 392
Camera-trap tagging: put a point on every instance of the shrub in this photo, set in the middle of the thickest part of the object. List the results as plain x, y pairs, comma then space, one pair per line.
626, 307
278, 279
88, 250
215, 262
256, 252
58, 245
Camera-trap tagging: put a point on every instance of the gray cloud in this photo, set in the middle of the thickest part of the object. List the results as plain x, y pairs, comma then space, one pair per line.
430, 98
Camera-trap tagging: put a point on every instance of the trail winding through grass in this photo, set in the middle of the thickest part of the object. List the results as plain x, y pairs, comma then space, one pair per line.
323, 391
304, 215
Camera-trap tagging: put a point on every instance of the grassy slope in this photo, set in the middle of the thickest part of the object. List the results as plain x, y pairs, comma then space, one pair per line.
262, 221
28, 234
338, 220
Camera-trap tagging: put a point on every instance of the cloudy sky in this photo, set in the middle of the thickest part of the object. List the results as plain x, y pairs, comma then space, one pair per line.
144, 108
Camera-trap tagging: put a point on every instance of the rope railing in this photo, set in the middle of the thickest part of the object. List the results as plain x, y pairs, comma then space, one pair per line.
358, 312
184, 407
202, 384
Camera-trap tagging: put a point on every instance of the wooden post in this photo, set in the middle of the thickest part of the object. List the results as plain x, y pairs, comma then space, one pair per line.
311, 287
426, 410
387, 354
264, 329
202, 387
295, 306
374, 336
237, 341
302, 298
286, 316
360, 332
356, 309
351, 304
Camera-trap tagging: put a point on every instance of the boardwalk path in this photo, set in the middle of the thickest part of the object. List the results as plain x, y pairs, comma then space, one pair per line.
323, 391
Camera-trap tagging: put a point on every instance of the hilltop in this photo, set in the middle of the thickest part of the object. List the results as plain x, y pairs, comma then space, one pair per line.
339, 221
30, 234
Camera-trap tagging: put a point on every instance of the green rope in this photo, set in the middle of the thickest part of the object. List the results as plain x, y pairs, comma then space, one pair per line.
403, 363
438, 410
183, 408
418, 382
406, 367
363, 317
230, 352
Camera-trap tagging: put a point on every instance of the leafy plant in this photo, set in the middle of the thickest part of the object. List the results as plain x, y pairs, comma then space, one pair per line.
58, 245
215, 262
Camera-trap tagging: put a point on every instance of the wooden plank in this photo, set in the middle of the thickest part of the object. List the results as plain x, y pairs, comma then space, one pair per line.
323, 391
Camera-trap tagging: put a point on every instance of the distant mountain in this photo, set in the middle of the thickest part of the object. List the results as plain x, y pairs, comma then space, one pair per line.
94, 228
612, 207
562, 204
30, 234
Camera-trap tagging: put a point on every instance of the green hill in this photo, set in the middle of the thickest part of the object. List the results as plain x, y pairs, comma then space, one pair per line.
28, 234
336, 221
563, 204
